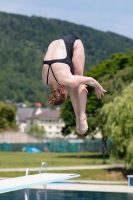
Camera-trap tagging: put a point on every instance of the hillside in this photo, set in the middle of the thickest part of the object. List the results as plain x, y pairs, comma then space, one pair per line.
23, 43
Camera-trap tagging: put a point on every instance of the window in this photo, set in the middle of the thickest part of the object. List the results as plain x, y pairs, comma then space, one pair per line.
43, 121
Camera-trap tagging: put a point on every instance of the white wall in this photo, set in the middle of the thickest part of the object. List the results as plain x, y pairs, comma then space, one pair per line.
52, 127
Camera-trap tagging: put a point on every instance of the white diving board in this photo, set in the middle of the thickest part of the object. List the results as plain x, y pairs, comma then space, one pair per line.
22, 182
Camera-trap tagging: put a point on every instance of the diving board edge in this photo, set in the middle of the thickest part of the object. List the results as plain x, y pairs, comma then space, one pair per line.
24, 182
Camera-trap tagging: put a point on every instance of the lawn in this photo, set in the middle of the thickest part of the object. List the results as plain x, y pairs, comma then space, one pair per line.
30, 160
24, 159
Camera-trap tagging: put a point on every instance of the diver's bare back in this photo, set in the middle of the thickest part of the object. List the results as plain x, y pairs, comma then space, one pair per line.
56, 50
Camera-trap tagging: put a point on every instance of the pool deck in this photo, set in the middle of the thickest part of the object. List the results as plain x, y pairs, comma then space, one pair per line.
88, 187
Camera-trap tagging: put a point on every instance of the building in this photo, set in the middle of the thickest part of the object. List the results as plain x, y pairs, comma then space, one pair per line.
43, 117
49, 120
23, 114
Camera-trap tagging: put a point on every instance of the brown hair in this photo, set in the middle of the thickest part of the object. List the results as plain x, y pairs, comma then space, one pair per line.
56, 98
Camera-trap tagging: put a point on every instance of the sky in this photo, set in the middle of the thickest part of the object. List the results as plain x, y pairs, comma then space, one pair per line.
105, 15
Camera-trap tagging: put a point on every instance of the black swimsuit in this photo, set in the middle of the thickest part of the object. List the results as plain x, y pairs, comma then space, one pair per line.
69, 42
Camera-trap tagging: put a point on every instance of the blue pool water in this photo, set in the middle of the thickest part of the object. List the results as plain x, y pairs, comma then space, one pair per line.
65, 195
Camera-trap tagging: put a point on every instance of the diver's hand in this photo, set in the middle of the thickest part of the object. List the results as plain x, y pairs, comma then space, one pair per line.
99, 91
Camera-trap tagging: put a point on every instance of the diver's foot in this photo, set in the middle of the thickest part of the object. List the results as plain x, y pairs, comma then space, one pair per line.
83, 126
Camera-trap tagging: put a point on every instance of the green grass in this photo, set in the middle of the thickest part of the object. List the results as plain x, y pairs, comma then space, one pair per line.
23, 159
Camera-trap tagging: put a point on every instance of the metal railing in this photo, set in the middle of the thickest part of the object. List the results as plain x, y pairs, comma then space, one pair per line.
39, 192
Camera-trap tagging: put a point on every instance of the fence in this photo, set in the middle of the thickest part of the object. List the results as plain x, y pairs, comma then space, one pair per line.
55, 146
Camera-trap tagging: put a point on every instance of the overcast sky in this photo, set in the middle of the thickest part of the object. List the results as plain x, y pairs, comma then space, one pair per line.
105, 15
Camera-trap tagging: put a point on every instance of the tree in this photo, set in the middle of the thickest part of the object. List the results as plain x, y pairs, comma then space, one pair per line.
129, 157
117, 117
36, 131
7, 117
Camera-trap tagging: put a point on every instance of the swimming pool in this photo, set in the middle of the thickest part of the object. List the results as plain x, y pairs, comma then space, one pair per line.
35, 194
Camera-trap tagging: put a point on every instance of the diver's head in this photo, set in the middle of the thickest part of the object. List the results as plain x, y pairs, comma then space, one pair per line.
58, 95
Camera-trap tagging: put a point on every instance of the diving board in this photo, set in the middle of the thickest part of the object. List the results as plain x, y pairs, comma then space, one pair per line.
22, 182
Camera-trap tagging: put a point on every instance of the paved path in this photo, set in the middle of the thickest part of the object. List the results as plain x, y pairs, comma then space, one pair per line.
64, 168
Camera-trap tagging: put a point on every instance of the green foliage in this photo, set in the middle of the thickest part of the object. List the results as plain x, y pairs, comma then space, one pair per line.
36, 131
23, 43
114, 75
129, 157
117, 117
116, 82
7, 117
112, 65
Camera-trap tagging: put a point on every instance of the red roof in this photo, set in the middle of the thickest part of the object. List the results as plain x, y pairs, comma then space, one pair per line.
37, 104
